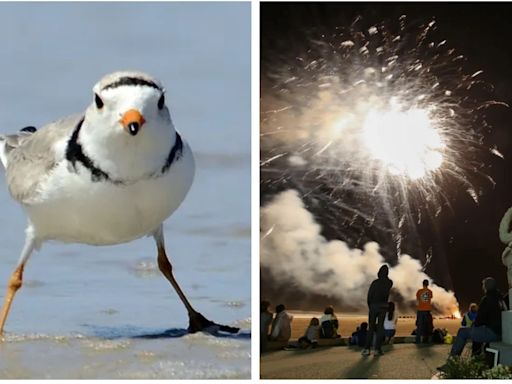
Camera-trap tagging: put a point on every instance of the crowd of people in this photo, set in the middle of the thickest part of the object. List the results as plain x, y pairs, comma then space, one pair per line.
278, 327
481, 323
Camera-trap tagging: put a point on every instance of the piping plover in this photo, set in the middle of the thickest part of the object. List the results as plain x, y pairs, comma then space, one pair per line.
107, 176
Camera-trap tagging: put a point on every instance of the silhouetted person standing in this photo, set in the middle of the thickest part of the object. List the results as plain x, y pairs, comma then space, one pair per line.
378, 295
423, 315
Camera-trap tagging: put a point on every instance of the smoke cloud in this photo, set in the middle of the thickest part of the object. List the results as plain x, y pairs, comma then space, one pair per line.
293, 249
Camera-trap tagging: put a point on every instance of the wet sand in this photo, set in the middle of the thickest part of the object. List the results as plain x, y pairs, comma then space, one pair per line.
348, 323
134, 353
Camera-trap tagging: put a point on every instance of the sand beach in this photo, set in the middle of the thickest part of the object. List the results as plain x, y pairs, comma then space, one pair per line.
349, 322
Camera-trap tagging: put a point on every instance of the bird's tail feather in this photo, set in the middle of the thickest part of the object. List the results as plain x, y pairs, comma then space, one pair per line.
9, 142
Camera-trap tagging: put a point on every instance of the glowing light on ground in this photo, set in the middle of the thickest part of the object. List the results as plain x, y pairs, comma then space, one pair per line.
406, 142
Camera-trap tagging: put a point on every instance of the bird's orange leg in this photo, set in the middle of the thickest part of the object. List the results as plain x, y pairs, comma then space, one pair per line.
14, 284
197, 322
166, 268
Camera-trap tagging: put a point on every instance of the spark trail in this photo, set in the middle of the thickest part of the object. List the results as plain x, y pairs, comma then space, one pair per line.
381, 121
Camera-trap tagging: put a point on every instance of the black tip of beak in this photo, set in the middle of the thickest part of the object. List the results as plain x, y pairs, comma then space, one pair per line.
133, 128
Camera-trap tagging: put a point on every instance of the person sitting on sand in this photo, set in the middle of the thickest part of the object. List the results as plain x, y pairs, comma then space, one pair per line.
282, 325
487, 325
359, 336
390, 323
329, 324
265, 322
311, 335
470, 316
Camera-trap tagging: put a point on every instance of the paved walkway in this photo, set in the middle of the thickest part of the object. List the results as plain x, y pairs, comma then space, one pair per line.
400, 361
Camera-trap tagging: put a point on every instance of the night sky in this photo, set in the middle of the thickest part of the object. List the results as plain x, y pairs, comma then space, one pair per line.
464, 240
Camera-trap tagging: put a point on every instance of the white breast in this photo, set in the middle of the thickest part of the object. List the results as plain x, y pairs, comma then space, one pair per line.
72, 208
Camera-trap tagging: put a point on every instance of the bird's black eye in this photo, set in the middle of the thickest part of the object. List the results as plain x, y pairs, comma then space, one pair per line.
98, 101
161, 102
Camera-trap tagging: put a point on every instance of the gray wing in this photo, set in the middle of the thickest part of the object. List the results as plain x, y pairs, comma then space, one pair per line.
29, 157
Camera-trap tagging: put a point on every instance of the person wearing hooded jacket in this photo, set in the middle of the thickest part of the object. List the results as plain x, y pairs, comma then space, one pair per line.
378, 295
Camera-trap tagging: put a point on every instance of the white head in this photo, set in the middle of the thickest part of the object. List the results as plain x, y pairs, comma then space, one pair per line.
128, 127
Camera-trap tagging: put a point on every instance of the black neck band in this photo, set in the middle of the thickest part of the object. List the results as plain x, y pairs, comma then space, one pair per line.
75, 154
175, 154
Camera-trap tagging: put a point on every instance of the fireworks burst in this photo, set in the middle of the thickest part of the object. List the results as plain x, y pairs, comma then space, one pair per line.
377, 121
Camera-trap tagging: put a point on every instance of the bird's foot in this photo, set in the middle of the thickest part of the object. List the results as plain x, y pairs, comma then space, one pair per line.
199, 323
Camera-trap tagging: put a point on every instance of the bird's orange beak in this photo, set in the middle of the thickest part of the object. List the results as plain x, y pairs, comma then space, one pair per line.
132, 121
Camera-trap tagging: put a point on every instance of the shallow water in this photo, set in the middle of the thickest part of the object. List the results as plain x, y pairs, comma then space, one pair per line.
82, 310
165, 357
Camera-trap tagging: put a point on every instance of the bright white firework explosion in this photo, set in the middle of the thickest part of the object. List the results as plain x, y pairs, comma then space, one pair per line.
381, 124
405, 141
375, 126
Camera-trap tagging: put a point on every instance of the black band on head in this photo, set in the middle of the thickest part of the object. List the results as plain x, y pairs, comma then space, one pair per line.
132, 81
